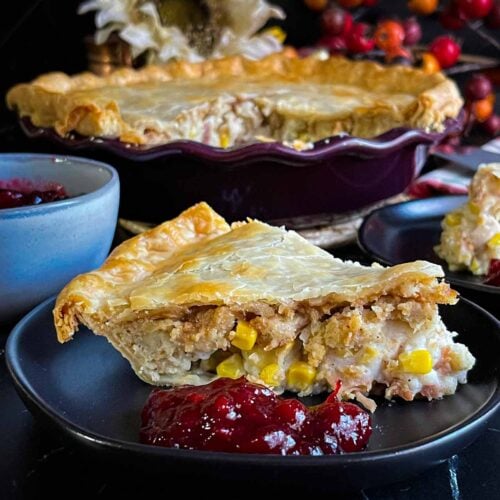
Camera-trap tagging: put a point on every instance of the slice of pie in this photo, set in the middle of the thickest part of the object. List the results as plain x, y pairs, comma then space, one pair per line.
194, 299
471, 234
234, 101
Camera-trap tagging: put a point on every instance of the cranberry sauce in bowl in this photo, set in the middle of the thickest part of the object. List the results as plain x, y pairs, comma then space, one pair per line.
240, 416
44, 245
23, 192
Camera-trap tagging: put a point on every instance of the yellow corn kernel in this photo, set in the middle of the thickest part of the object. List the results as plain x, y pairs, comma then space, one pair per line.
300, 375
210, 364
494, 241
231, 367
270, 374
418, 362
474, 208
245, 336
453, 219
474, 265
224, 140
369, 354
277, 33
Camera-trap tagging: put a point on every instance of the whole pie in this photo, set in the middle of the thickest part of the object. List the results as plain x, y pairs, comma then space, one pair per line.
236, 101
195, 299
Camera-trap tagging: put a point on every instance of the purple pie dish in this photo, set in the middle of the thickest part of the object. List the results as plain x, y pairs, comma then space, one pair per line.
268, 181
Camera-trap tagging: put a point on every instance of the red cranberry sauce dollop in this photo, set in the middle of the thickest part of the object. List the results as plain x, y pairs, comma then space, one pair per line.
239, 416
493, 276
12, 198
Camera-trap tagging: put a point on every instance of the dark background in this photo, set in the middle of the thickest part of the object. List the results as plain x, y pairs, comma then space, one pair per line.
37, 36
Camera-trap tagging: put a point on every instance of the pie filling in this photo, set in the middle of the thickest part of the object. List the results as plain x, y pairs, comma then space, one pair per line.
471, 234
225, 114
395, 342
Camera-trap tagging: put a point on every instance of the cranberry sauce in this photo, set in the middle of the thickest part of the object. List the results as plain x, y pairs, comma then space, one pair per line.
493, 276
239, 416
19, 193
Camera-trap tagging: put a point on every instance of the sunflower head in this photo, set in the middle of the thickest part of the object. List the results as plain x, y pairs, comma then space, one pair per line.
187, 29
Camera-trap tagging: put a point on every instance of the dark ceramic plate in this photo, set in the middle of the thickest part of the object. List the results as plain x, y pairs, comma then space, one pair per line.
268, 181
409, 231
89, 392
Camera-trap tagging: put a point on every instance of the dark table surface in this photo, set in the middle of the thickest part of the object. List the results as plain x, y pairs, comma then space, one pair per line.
36, 462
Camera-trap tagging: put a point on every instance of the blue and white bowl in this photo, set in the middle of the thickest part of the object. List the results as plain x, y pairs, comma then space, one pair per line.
43, 247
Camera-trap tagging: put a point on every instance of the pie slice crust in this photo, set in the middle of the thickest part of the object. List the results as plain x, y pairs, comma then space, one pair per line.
195, 299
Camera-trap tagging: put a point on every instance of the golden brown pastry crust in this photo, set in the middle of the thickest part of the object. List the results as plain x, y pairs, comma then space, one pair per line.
184, 263
98, 292
78, 104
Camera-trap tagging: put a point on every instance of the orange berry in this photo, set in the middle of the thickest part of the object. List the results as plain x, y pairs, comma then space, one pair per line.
482, 109
316, 4
424, 7
430, 64
389, 35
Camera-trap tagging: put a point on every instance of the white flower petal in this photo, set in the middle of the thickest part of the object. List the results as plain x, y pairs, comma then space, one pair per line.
114, 14
150, 10
103, 34
246, 17
139, 37
89, 6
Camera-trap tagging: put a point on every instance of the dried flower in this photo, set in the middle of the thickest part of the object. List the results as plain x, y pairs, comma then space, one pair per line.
229, 27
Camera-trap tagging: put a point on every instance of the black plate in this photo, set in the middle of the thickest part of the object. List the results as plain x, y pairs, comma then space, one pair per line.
409, 231
91, 394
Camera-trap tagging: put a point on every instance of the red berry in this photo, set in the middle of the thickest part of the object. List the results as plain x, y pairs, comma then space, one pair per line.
335, 44
474, 9
492, 127
446, 50
478, 87
336, 21
357, 40
452, 18
413, 32
493, 19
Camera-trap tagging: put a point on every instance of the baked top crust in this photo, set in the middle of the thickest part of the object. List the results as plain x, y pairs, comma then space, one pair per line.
198, 259
232, 101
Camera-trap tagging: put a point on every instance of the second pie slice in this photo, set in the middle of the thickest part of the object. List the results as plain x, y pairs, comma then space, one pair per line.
195, 299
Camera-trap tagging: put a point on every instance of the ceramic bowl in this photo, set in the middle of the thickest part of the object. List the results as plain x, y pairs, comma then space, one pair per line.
42, 247
269, 181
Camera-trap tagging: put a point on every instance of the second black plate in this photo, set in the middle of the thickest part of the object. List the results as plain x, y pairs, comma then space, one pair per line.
409, 231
